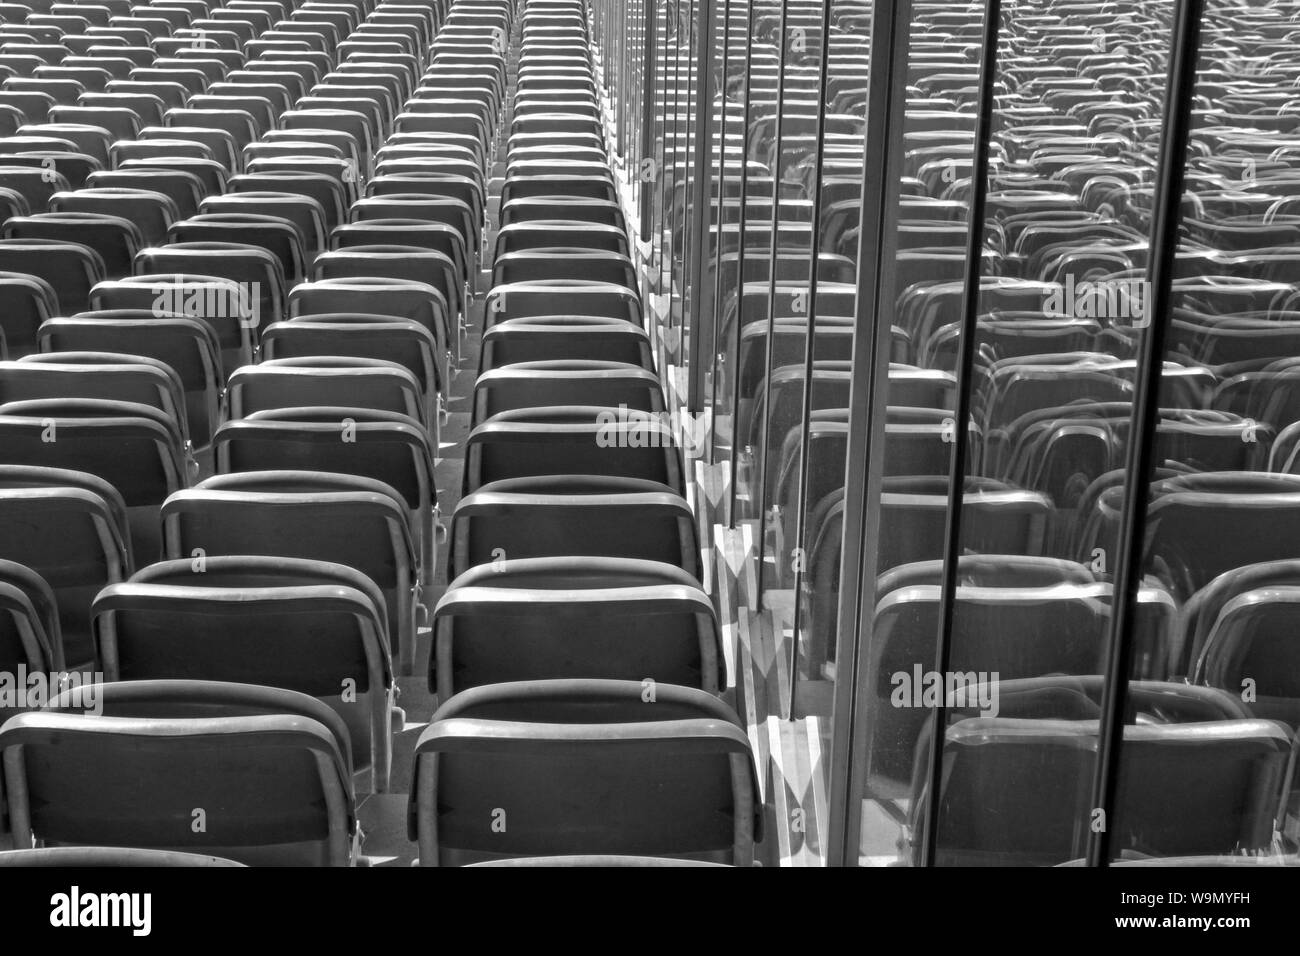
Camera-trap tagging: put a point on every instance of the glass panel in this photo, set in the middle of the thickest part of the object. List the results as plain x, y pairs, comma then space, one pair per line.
1214, 697
1073, 148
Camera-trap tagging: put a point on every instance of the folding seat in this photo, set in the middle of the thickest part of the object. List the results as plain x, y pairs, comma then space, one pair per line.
302, 147
526, 187
320, 36
339, 120
265, 97
174, 57
115, 240
309, 626
525, 299
574, 337
397, 74
404, 342
184, 189
279, 58
10, 118
122, 123
375, 49
1213, 786
372, 107
567, 382
529, 747
136, 448
459, 145
401, 298
1248, 638
328, 190
412, 263
1013, 632
132, 35
404, 198
30, 640
253, 268
118, 48
187, 346
93, 78
440, 176
349, 147
25, 142
150, 212
556, 262
304, 212
574, 439
385, 446
321, 516
996, 519
568, 515
70, 167
317, 380
278, 236
208, 105
528, 208
91, 141
586, 617
235, 128
1201, 525
384, 89
70, 268
535, 234
70, 528
222, 305
274, 766
62, 92
110, 376
224, 147
25, 302
19, 63
171, 92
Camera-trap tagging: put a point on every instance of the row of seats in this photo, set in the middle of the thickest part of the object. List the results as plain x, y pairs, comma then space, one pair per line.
291, 497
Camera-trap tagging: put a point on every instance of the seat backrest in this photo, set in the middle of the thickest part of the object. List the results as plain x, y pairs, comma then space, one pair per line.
272, 764
571, 764
552, 617
310, 626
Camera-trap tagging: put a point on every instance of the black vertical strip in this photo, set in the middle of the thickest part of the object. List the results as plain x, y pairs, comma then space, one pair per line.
740, 264
809, 352
667, 171
975, 228
716, 297
648, 27
700, 359
1140, 454
758, 490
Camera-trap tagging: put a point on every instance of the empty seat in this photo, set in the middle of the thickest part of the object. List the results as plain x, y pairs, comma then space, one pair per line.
309, 626
583, 767
283, 795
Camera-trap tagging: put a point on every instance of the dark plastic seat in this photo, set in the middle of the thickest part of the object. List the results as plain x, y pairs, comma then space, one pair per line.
583, 767
309, 626
150, 212
188, 346
284, 793
384, 446
30, 639
70, 268
83, 543
113, 238
25, 302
